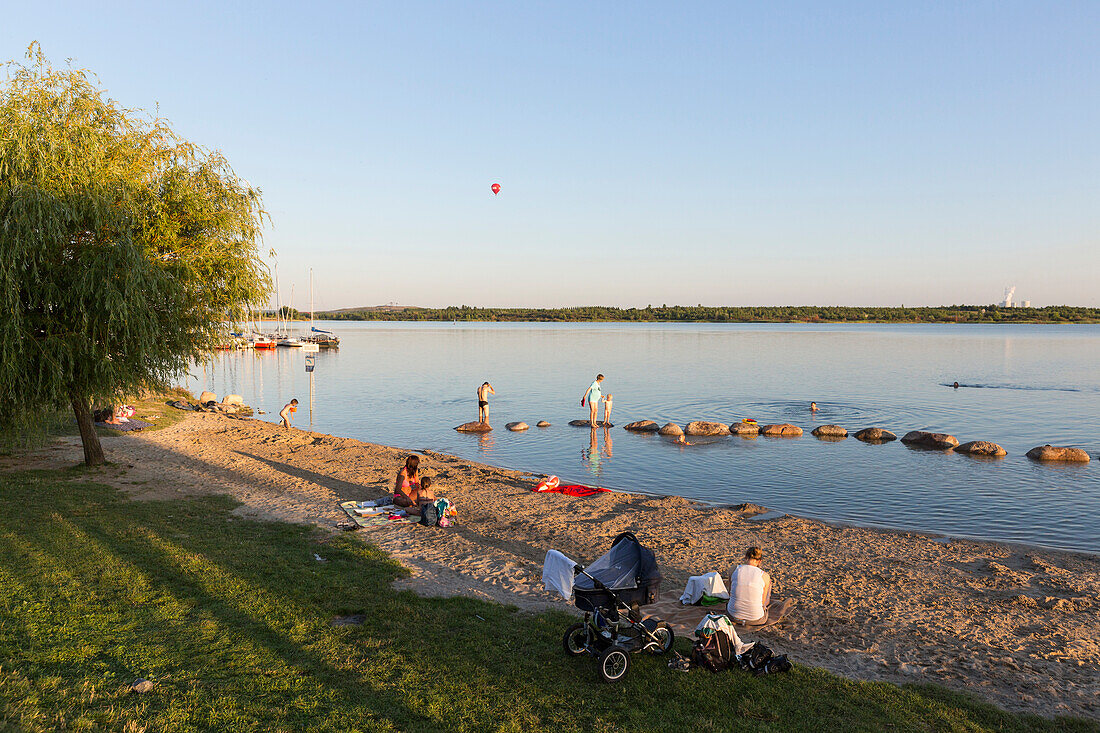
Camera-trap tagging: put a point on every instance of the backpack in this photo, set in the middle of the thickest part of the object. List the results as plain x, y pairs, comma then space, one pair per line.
713, 651
776, 665
756, 658
429, 515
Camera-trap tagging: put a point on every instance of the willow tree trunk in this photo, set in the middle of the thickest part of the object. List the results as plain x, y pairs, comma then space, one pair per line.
93, 451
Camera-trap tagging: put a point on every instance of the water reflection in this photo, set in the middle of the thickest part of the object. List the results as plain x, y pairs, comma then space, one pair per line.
593, 457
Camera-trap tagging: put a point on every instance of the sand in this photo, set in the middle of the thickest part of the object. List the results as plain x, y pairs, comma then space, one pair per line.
1018, 626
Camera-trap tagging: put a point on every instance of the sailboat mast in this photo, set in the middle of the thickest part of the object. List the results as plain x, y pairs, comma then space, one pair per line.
311, 300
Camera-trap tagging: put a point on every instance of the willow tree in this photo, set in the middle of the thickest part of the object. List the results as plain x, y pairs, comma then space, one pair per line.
123, 248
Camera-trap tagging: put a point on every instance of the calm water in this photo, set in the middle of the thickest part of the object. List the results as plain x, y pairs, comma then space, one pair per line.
409, 384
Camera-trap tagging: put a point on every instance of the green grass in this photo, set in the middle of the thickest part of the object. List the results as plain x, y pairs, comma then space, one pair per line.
231, 620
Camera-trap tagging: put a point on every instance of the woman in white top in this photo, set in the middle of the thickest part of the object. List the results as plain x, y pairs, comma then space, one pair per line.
750, 593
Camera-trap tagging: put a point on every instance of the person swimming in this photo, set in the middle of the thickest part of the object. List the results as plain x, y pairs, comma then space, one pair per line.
813, 407
955, 385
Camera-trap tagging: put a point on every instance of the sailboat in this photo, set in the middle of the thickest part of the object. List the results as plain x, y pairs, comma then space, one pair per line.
284, 338
323, 339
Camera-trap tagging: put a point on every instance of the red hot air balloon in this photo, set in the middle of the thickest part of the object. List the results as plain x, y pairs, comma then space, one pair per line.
495, 188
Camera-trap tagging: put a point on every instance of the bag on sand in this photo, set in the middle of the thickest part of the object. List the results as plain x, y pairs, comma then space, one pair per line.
429, 515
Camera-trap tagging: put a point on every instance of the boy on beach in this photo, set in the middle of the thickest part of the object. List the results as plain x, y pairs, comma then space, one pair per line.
284, 414
607, 411
483, 393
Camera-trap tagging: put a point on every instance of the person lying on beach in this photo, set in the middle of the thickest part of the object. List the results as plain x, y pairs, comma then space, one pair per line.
284, 414
406, 487
750, 587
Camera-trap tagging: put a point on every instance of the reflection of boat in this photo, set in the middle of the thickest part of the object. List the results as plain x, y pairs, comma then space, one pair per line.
323, 339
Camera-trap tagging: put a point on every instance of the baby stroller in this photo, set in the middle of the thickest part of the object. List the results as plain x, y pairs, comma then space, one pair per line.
610, 592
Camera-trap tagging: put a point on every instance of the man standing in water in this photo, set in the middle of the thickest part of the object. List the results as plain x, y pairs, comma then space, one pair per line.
593, 395
483, 393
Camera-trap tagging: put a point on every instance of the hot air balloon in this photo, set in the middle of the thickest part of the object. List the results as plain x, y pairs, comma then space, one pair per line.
495, 188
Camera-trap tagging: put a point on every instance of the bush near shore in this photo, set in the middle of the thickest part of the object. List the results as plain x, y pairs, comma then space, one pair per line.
710, 314
231, 620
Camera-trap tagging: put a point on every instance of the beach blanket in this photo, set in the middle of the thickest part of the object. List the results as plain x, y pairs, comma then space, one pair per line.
553, 485
371, 516
125, 426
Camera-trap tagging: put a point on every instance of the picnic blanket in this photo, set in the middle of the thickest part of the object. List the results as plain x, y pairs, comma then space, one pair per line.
373, 516
553, 485
127, 425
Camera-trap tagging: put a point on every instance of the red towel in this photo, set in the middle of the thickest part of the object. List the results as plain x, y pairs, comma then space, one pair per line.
553, 486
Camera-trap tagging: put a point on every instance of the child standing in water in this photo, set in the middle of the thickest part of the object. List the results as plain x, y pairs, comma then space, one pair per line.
607, 411
284, 413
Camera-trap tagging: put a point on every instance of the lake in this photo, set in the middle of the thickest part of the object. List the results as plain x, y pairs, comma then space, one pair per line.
409, 384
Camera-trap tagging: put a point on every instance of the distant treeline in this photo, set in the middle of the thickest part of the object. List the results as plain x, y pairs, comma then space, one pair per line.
755, 314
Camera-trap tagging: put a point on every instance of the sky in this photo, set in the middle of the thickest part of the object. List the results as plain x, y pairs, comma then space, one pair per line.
803, 153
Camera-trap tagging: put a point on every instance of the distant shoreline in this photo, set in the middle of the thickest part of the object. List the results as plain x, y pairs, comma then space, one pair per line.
991, 314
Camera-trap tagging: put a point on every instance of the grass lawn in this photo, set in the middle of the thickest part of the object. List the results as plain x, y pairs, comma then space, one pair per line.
232, 621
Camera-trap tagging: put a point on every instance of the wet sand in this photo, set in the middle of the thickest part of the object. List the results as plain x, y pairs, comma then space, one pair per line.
1017, 626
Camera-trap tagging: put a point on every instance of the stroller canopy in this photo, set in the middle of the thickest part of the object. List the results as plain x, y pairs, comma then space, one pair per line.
626, 565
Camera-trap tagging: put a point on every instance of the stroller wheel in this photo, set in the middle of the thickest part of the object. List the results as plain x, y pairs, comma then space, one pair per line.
575, 641
614, 664
665, 638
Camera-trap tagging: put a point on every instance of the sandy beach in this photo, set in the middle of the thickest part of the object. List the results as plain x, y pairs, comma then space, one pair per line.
1017, 626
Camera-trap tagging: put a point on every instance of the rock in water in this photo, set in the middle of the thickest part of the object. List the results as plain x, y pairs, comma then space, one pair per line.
829, 431
207, 397
580, 423
233, 399
516, 427
924, 439
982, 448
875, 435
786, 430
670, 429
542, 424
1058, 453
643, 426
474, 427
745, 428
701, 427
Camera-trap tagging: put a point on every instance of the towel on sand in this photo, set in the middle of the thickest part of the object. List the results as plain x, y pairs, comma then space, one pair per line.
708, 584
554, 485
126, 425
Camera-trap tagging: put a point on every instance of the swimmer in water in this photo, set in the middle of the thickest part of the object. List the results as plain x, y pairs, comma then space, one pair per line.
955, 385
682, 440
813, 407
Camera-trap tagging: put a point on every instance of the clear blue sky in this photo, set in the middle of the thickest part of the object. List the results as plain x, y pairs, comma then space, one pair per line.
718, 153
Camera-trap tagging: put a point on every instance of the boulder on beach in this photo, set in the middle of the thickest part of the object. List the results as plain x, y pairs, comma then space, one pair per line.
207, 397
786, 430
829, 431
1058, 453
702, 427
642, 426
924, 439
670, 429
474, 427
982, 448
744, 428
875, 435
233, 399
516, 427
542, 424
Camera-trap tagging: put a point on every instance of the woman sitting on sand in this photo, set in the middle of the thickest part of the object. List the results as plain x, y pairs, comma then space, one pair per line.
410, 491
751, 603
